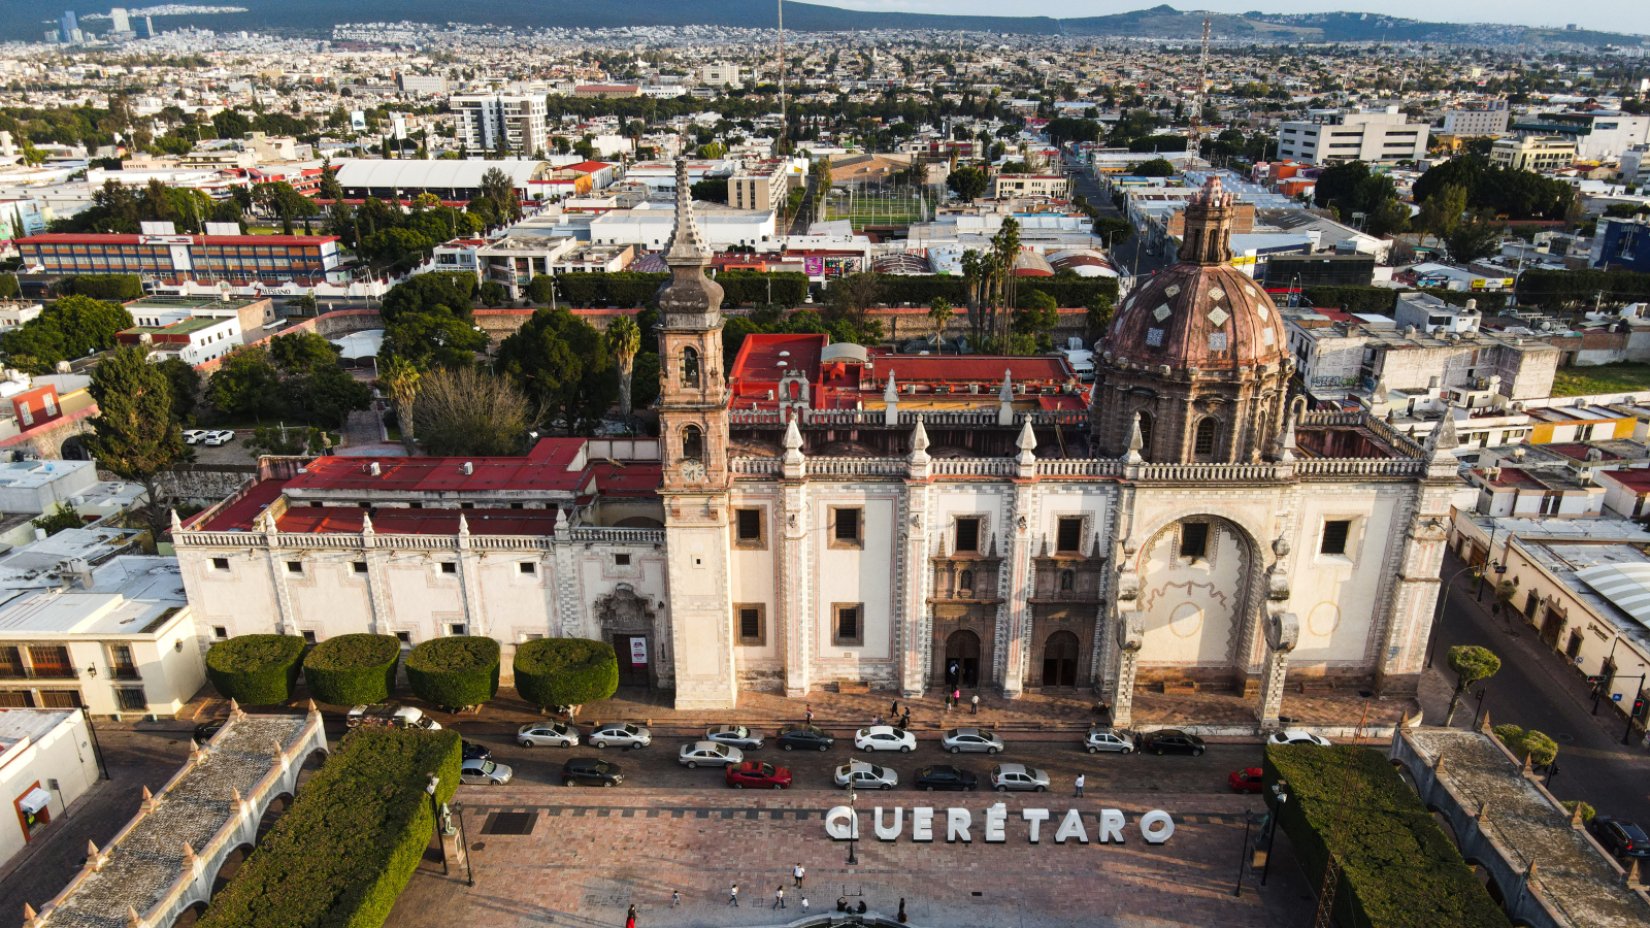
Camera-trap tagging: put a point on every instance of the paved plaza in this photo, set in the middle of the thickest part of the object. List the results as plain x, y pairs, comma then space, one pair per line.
589, 854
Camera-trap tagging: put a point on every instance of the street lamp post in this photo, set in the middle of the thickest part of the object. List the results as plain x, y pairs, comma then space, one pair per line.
1598, 687
1438, 614
1281, 792
853, 827
1243, 855
1489, 562
1483, 691
435, 816
1638, 692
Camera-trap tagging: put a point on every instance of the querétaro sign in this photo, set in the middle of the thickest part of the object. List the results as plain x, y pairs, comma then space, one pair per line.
1156, 826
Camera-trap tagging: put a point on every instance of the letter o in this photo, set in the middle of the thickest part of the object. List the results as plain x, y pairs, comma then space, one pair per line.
1156, 826
840, 823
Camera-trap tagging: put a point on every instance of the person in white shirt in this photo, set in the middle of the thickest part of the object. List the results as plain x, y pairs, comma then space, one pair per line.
1081, 779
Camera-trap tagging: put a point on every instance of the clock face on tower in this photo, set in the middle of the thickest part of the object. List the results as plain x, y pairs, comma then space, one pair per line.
693, 471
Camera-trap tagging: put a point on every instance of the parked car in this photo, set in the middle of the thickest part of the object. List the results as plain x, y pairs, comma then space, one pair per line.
1246, 780
885, 738
805, 738
753, 774
591, 770
1171, 741
946, 777
547, 734
708, 754
958, 740
622, 734
861, 775
478, 772
205, 730
1105, 739
1005, 777
193, 436
475, 750
1296, 736
391, 716
219, 437
735, 736
1620, 837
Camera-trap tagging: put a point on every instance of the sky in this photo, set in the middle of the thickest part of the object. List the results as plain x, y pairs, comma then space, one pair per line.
1610, 16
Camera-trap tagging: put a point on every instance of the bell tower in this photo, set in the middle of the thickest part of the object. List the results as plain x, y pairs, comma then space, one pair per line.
693, 438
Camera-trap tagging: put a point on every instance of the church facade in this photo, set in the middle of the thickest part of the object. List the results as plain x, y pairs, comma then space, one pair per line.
817, 514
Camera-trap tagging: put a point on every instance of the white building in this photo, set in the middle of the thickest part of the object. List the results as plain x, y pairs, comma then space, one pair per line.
1599, 135
1635, 166
14, 314
1470, 121
47, 761
1353, 136
38, 486
649, 227
1539, 153
483, 119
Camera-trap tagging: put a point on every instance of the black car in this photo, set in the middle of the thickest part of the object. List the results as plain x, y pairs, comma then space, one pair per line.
474, 750
205, 730
804, 737
1171, 741
591, 770
945, 776
1621, 838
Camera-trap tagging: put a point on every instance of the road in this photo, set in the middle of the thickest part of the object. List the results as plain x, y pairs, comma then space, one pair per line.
1129, 257
1534, 689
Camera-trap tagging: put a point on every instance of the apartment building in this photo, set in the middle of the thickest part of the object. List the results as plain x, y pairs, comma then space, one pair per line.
485, 121
761, 187
1029, 185
1539, 153
1476, 119
1601, 135
1353, 136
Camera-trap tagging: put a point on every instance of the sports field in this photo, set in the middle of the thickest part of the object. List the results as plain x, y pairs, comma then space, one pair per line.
879, 208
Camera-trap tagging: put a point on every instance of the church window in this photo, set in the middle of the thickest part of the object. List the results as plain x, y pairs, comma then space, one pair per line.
847, 527
1334, 536
1070, 535
690, 367
1204, 441
965, 582
752, 624
1194, 539
1154, 337
850, 626
621, 560
1068, 580
748, 528
968, 536
693, 444
528, 567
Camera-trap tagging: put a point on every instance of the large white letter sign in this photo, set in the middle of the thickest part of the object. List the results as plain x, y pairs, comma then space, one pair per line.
837, 823
889, 834
1036, 817
1156, 826
1072, 827
995, 816
922, 823
1111, 826
956, 826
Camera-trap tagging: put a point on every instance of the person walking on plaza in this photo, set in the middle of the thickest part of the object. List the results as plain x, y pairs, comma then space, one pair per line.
779, 898
804, 906
675, 898
733, 896
948, 702
1080, 781
956, 697
810, 715
799, 872
974, 705
893, 709
905, 722
630, 918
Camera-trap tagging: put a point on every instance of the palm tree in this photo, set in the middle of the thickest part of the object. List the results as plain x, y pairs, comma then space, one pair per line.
401, 377
624, 339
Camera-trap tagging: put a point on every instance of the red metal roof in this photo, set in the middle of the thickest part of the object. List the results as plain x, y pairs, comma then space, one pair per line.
1636, 479
346, 520
238, 516
588, 167
544, 468
102, 238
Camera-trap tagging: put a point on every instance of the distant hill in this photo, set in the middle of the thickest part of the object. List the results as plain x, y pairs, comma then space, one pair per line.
29, 19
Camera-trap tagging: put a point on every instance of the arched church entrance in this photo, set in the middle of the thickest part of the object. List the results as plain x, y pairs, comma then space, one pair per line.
1198, 583
627, 621
962, 659
1060, 659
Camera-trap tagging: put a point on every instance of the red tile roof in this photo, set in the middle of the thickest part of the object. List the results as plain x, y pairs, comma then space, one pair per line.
544, 468
345, 520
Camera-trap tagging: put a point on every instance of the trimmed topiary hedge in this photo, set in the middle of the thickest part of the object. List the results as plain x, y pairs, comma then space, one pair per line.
454, 672
566, 671
1397, 869
351, 841
352, 669
256, 670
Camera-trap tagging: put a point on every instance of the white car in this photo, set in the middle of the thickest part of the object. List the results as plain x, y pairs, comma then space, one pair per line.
552, 734
220, 437
885, 738
621, 734
861, 775
478, 772
193, 436
709, 754
1296, 736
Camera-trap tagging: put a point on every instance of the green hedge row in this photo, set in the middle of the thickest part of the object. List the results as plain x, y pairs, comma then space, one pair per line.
350, 670
114, 287
454, 672
566, 671
1384, 300
351, 841
749, 288
1556, 290
1398, 870
255, 670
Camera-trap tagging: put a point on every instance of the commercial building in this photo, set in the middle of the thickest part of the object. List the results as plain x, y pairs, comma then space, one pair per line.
764, 186
1478, 120
420, 84
1539, 153
47, 761
1621, 244
1030, 185
38, 486
502, 122
1354, 136
1635, 166
174, 259
719, 74
1600, 135
191, 339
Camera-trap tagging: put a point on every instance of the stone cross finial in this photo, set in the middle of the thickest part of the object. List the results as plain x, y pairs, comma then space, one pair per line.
561, 519
1442, 440
1006, 394
147, 796
235, 708
1485, 728
91, 849
366, 524
919, 442
177, 523
463, 526
1136, 442
890, 393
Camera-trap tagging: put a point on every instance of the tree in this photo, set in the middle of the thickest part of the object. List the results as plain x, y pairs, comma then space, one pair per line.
472, 412
1540, 749
1157, 167
624, 340
711, 190
562, 362
1038, 312
1442, 212
848, 297
1388, 219
135, 433
186, 385
1338, 183
1474, 239
493, 294
60, 518
1099, 316
498, 187
969, 183
400, 378
245, 384
1471, 664
326, 395
302, 352
286, 442
939, 312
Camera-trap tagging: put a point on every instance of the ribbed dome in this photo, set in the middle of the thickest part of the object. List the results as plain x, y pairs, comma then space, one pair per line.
1211, 317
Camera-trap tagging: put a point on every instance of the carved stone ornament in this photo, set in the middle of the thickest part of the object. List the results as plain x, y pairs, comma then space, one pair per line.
1131, 630
1021, 523
1128, 586
1277, 585
1283, 631
916, 520
1280, 546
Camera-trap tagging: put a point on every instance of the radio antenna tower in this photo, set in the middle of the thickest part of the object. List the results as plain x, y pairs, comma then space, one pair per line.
1194, 143
784, 125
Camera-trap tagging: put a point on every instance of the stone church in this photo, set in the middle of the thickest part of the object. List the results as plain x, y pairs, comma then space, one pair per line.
816, 514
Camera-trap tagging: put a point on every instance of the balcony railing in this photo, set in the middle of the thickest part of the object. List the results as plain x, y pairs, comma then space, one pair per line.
125, 672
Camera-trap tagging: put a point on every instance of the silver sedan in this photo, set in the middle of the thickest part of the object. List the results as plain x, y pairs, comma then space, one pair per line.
958, 740
620, 734
861, 775
737, 736
709, 754
1105, 739
554, 734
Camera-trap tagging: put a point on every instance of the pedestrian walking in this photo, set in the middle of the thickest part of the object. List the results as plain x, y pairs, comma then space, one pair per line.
630, 918
893, 709
1080, 781
810, 715
804, 906
798, 873
779, 898
906, 721
733, 896
974, 705
675, 898
948, 703
956, 697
